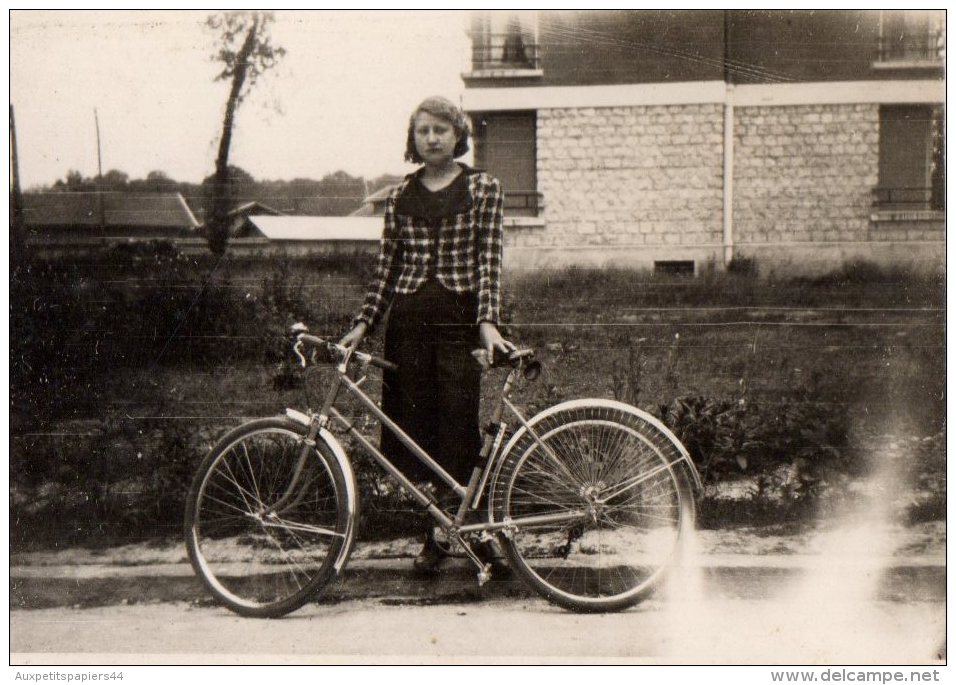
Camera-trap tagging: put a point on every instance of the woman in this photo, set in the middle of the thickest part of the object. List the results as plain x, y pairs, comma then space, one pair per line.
439, 270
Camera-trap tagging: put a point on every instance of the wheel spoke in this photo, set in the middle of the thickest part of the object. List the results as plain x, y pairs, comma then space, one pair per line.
295, 566
290, 526
619, 467
243, 492
632, 483
256, 559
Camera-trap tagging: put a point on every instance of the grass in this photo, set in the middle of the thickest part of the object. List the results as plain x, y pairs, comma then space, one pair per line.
865, 344
849, 343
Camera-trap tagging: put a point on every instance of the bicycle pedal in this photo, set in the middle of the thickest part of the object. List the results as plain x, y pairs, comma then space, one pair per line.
484, 575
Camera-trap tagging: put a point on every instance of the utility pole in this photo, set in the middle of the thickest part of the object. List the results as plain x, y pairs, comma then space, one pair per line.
17, 232
99, 173
726, 17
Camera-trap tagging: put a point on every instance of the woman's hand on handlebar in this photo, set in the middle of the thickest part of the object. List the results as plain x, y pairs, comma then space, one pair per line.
354, 337
492, 341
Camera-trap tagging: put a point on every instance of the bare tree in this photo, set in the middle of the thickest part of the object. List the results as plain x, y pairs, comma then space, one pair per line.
246, 52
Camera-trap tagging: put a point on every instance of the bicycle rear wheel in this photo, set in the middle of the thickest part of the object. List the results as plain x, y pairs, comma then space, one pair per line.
267, 518
598, 502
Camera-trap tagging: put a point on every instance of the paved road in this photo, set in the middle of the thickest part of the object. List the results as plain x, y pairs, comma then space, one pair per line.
846, 604
792, 629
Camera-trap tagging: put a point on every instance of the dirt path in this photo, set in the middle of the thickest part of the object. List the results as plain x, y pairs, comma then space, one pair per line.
716, 631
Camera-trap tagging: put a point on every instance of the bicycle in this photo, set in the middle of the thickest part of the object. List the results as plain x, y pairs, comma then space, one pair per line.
589, 498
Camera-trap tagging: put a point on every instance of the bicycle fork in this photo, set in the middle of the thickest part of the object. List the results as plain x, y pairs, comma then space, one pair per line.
294, 493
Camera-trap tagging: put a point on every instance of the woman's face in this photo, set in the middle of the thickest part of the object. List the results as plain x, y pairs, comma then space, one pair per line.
435, 139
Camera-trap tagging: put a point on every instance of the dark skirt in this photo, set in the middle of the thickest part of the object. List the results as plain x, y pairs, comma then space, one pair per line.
434, 395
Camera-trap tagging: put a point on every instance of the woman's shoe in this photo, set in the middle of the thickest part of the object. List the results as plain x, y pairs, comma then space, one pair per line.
431, 556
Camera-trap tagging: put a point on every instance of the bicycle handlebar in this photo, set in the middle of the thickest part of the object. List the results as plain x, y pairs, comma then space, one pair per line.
338, 351
515, 359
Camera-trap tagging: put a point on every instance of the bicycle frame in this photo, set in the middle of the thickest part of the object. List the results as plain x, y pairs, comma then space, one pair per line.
470, 494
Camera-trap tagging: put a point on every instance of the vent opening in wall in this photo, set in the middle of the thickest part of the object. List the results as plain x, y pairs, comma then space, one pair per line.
679, 268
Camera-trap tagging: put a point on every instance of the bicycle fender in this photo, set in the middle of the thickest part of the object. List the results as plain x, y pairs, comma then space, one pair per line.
351, 494
687, 462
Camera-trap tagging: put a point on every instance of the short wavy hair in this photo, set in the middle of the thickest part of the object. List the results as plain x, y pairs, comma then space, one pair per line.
446, 110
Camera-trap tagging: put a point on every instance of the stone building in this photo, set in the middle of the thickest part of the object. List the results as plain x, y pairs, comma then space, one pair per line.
793, 140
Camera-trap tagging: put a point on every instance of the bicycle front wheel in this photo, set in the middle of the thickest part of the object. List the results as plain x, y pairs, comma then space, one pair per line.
598, 497
267, 518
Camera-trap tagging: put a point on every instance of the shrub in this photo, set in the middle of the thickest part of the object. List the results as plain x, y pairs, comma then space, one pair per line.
108, 482
745, 266
145, 254
928, 474
155, 307
788, 449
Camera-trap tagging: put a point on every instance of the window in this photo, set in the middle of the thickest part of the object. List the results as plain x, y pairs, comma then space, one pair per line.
912, 38
505, 147
911, 158
675, 268
504, 41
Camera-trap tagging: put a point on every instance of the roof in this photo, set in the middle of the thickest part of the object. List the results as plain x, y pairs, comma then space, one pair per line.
120, 209
254, 207
319, 227
368, 204
381, 193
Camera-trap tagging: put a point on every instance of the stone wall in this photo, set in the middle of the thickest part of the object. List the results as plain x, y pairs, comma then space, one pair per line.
628, 183
635, 185
803, 200
804, 174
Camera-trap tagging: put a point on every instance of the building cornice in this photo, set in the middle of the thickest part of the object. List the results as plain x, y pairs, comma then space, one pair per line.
624, 95
705, 92
842, 93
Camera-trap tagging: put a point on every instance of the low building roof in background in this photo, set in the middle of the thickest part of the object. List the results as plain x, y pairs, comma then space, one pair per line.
319, 227
119, 209
368, 204
380, 194
255, 207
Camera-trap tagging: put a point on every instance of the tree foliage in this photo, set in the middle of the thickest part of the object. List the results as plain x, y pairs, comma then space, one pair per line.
246, 52
234, 30
112, 181
335, 194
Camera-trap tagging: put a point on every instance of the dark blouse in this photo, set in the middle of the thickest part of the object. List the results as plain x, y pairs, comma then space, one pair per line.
423, 203
433, 205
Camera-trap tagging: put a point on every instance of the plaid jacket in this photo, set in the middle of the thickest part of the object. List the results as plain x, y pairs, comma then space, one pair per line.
462, 250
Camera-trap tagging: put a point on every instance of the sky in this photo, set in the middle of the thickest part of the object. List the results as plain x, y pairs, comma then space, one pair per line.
339, 99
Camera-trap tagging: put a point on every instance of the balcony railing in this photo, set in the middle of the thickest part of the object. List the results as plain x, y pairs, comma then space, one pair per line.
504, 51
913, 199
928, 47
523, 202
